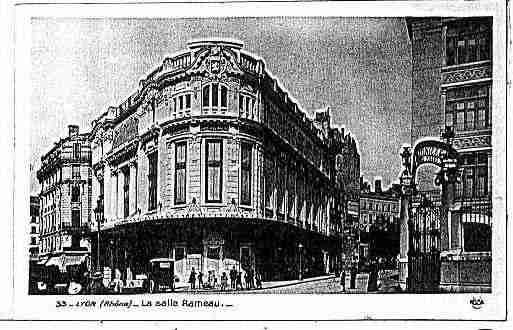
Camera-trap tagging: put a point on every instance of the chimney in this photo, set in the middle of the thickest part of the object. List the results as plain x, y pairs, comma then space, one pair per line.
377, 186
72, 130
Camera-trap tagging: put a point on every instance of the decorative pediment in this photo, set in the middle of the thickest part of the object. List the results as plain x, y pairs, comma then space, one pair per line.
215, 62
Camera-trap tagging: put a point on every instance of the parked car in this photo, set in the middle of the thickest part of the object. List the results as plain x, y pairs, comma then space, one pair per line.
161, 276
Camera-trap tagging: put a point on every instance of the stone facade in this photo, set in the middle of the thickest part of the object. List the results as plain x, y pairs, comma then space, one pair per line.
65, 198
452, 87
213, 157
34, 228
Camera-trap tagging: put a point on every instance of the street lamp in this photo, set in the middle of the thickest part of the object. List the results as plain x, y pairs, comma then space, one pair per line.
98, 214
300, 246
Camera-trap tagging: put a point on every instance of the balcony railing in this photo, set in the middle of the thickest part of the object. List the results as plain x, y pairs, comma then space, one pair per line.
70, 157
179, 62
75, 229
249, 63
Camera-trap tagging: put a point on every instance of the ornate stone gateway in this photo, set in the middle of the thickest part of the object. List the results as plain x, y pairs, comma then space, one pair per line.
424, 220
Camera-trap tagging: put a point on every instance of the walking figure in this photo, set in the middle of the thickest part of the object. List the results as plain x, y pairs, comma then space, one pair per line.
258, 279
246, 280
251, 279
238, 281
200, 280
343, 280
224, 281
192, 279
233, 277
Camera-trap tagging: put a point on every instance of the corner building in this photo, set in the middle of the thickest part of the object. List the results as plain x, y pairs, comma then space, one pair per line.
65, 201
212, 164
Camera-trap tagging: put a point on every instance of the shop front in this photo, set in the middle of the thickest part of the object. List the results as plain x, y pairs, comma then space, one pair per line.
278, 251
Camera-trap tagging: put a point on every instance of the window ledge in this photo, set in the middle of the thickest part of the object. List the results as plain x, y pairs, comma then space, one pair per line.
464, 65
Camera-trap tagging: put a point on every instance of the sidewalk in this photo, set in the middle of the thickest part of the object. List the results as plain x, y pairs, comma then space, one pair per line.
182, 287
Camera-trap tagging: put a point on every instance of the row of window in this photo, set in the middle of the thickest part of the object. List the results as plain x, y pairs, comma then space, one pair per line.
280, 122
292, 196
215, 98
379, 207
213, 178
380, 219
468, 42
468, 108
56, 177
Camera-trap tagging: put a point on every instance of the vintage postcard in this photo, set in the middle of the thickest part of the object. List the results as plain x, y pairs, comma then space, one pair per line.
260, 161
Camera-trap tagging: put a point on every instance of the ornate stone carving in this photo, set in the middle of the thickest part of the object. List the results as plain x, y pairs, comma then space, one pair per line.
467, 74
473, 141
215, 63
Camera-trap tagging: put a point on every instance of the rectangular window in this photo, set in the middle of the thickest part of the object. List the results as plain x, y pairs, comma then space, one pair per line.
102, 187
76, 151
451, 51
75, 194
469, 182
470, 119
180, 99
468, 106
152, 181
180, 172
188, 101
75, 218
215, 96
224, 92
214, 165
75, 172
246, 160
472, 50
126, 192
206, 96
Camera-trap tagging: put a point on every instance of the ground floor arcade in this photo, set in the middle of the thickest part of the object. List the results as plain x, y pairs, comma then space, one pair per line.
278, 251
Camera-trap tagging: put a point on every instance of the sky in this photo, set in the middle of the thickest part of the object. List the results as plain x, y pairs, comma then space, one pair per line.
359, 67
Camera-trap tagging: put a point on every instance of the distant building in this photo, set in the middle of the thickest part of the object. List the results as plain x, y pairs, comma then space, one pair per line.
379, 221
347, 184
34, 228
65, 201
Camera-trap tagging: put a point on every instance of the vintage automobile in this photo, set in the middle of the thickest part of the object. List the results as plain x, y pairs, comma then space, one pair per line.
161, 276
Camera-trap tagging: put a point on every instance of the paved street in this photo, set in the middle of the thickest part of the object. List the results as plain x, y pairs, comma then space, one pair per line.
329, 285
325, 284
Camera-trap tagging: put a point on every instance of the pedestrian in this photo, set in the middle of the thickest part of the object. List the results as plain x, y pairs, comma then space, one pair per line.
246, 280
214, 279
224, 281
258, 279
200, 280
238, 281
343, 280
251, 276
192, 279
233, 277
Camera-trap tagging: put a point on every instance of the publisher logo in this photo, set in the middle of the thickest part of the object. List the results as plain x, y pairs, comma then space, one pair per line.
476, 303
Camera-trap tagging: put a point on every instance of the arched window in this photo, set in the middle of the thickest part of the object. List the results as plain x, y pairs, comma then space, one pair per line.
215, 97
